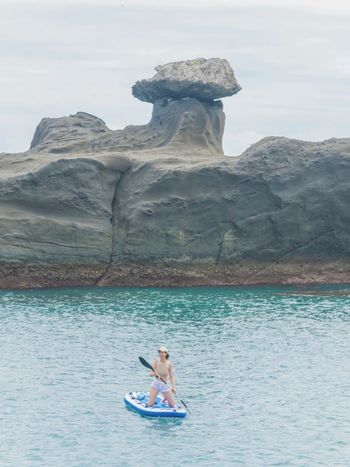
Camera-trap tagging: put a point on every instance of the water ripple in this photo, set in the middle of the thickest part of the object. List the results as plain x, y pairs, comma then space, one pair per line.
265, 372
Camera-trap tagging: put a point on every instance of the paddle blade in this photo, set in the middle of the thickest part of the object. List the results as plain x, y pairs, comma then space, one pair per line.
145, 363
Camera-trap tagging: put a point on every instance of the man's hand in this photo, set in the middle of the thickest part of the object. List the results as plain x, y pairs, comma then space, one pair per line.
155, 374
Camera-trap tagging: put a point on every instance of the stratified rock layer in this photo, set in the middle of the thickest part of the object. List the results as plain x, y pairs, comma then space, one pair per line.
278, 214
200, 78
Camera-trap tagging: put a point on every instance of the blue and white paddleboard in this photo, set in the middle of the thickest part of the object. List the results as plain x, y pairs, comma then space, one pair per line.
138, 400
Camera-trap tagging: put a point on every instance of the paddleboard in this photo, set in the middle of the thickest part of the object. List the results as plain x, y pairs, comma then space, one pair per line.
138, 401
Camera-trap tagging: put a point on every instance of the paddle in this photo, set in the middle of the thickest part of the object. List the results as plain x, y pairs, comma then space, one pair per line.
150, 367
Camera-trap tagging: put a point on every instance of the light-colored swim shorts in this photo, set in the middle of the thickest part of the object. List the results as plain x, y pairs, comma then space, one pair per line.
160, 386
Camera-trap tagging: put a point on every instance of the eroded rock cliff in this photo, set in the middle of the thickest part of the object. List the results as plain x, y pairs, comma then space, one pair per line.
159, 204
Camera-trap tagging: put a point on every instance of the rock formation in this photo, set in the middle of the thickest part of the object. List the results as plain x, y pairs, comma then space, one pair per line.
186, 115
202, 79
187, 125
159, 204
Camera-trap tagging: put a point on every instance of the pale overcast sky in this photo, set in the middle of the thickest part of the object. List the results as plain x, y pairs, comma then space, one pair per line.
292, 59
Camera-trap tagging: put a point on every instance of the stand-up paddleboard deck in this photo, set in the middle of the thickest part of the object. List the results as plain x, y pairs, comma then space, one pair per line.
138, 400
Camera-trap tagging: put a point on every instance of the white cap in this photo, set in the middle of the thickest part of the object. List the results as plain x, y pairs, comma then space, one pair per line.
163, 349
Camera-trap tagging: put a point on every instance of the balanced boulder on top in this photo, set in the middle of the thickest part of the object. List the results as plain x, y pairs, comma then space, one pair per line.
200, 78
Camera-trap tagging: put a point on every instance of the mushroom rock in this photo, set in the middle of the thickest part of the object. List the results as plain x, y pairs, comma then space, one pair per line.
200, 78
186, 116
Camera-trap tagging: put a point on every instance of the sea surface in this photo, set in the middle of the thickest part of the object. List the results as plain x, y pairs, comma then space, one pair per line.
265, 372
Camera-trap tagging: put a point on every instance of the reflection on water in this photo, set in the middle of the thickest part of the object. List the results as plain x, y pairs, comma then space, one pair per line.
265, 372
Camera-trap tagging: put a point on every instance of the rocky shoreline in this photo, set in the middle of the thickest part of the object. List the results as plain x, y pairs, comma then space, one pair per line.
19, 276
161, 205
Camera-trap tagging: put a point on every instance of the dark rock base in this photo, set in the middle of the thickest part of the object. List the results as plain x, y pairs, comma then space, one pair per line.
19, 276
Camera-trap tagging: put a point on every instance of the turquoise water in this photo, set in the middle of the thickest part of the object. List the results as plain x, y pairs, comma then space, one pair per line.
265, 372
